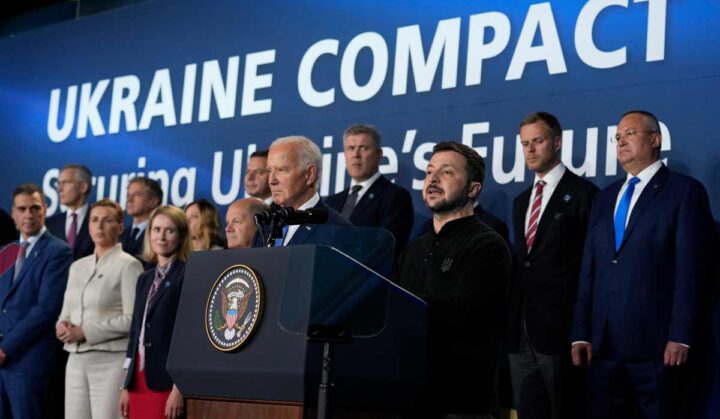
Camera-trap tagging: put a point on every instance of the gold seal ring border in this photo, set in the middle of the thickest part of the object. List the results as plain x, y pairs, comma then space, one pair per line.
256, 319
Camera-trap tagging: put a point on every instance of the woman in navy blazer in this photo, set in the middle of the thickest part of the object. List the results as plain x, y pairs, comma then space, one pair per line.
148, 391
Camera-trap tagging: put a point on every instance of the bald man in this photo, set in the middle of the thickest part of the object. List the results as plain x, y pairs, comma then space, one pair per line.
239, 223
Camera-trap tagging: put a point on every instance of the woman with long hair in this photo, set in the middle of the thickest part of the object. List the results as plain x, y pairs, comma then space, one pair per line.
148, 391
95, 319
204, 224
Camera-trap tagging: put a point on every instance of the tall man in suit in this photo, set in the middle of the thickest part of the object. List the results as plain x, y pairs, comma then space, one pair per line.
550, 221
31, 296
74, 185
646, 258
372, 200
295, 167
143, 196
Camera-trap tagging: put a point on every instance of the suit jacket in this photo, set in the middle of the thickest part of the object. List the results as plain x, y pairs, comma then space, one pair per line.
646, 293
30, 306
100, 296
383, 205
545, 282
313, 233
8, 233
83, 242
133, 246
158, 326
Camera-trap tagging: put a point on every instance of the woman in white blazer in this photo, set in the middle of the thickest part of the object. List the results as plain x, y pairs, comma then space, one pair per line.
95, 318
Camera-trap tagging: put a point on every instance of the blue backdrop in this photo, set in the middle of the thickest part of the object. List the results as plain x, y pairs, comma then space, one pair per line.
184, 91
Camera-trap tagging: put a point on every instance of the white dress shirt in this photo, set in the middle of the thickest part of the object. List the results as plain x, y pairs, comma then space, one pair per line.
551, 178
366, 184
293, 228
645, 175
81, 214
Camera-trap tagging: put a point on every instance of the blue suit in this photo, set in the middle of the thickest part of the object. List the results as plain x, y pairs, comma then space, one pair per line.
632, 301
30, 307
312, 233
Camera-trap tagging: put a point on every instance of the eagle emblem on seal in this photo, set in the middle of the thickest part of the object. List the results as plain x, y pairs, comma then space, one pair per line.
234, 308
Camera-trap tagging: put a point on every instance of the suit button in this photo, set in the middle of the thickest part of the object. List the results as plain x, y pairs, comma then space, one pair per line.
614, 261
148, 344
526, 264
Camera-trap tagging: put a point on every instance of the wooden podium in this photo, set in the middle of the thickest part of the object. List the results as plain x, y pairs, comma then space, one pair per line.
276, 374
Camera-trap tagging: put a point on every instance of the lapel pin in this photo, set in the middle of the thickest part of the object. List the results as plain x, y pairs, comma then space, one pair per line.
307, 227
567, 197
558, 215
100, 276
167, 284
371, 195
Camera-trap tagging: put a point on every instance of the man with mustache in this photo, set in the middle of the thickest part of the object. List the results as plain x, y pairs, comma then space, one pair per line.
461, 269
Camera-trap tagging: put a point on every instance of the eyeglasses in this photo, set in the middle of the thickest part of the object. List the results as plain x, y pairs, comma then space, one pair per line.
629, 133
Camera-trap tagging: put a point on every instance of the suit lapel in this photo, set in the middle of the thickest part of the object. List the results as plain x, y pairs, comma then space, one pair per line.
560, 197
368, 197
519, 219
649, 192
30, 260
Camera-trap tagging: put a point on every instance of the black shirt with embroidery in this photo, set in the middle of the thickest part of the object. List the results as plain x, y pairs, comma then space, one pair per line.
462, 273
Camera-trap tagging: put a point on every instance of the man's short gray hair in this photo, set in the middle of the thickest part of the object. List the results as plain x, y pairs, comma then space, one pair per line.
308, 152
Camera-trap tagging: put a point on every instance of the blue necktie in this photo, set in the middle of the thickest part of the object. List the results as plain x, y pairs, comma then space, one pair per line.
280, 240
622, 212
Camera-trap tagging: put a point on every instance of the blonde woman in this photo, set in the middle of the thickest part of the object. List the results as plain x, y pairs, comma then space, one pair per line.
95, 319
148, 391
204, 224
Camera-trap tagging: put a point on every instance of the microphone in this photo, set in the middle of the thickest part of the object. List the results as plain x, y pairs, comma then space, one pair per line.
290, 216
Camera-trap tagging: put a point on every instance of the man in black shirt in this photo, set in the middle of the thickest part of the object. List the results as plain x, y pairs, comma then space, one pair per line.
461, 269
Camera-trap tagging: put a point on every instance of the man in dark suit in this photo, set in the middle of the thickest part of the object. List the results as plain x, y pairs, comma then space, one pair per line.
550, 220
645, 261
31, 296
295, 168
372, 200
74, 185
8, 233
143, 196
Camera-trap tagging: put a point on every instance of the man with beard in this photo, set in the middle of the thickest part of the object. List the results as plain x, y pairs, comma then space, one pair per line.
461, 269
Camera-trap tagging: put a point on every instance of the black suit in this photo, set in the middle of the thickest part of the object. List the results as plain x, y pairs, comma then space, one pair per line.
158, 326
8, 233
542, 298
83, 242
133, 245
383, 205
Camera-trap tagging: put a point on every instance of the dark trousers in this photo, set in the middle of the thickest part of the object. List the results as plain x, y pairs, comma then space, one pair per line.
629, 389
22, 396
537, 382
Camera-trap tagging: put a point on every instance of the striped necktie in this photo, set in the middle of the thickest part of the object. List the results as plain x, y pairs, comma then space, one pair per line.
534, 215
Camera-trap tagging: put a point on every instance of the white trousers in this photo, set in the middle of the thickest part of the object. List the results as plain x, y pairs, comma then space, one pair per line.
92, 384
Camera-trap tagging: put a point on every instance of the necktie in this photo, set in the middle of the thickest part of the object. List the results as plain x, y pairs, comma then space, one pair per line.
622, 212
20, 259
534, 215
280, 240
72, 233
351, 201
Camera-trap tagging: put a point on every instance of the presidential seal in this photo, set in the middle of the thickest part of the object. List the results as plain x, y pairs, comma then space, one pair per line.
234, 308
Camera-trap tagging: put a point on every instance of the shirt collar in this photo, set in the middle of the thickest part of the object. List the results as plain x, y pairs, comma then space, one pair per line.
140, 226
32, 239
454, 226
647, 173
81, 212
552, 178
367, 183
310, 203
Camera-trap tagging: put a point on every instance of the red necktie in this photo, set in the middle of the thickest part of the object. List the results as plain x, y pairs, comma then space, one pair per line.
72, 233
534, 215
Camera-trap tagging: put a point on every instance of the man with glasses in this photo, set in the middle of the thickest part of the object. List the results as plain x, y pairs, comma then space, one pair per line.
74, 185
645, 261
